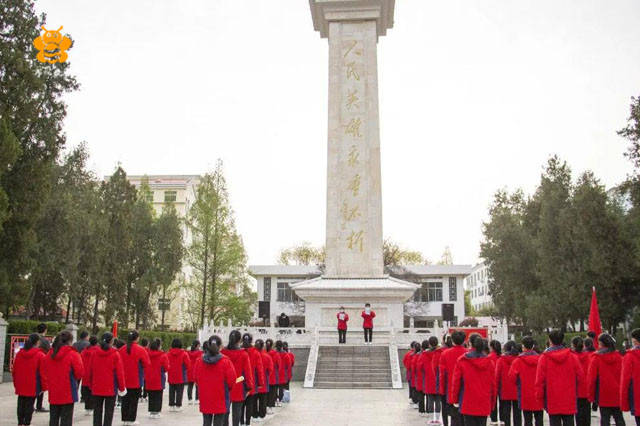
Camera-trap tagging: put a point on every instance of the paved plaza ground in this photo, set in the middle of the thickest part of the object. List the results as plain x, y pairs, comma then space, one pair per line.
326, 407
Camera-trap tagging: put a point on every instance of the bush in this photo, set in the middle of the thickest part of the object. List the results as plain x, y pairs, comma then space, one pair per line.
29, 326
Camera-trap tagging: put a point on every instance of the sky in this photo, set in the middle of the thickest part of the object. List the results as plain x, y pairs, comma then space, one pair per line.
475, 96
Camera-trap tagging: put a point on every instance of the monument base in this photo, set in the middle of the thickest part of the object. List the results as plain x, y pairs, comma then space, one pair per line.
323, 297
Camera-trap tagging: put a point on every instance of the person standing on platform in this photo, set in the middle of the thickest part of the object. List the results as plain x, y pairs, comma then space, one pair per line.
155, 377
179, 364
630, 380
263, 391
367, 323
28, 380
105, 377
194, 354
558, 378
343, 318
604, 381
583, 416
448, 361
134, 360
244, 375
507, 389
523, 373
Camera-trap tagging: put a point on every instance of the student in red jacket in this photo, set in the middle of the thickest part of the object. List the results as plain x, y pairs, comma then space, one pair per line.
343, 318
105, 377
244, 374
583, 415
179, 364
507, 389
495, 352
62, 368
28, 380
448, 361
85, 391
285, 365
473, 387
134, 360
273, 377
416, 379
215, 377
558, 377
406, 361
630, 380
155, 377
292, 362
267, 370
604, 381
429, 382
523, 374
194, 354
249, 408
367, 323
144, 396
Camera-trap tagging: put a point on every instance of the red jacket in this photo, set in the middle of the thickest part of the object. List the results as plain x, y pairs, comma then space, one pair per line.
448, 361
257, 369
134, 364
629, 382
292, 360
86, 362
179, 364
426, 371
523, 374
507, 389
285, 366
155, 375
436, 370
407, 365
342, 323
604, 378
367, 319
62, 374
275, 373
558, 378
105, 372
214, 376
473, 384
415, 379
28, 379
242, 365
193, 357
585, 359
267, 363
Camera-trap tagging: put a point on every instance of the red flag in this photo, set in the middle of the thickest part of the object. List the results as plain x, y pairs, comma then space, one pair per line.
114, 329
594, 317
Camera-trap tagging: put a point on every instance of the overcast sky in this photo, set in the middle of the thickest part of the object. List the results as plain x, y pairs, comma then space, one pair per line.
474, 96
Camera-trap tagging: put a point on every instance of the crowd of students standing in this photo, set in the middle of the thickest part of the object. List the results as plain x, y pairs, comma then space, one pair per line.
243, 381
464, 382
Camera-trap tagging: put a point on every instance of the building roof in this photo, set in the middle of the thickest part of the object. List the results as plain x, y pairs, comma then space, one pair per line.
314, 270
434, 270
285, 270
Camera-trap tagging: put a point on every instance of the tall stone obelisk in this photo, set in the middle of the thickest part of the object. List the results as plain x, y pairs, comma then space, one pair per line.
354, 271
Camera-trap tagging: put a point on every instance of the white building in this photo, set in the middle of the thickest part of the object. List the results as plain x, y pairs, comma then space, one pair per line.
478, 285
440, 284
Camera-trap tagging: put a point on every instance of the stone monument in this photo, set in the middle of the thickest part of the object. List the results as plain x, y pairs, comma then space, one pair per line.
354, 271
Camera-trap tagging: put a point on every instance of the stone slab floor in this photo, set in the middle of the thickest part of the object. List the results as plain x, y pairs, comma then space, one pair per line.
335, 407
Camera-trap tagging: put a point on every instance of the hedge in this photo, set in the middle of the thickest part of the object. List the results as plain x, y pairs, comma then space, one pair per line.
29, 326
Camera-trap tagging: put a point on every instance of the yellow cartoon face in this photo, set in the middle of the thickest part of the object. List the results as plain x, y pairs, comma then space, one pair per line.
52, 46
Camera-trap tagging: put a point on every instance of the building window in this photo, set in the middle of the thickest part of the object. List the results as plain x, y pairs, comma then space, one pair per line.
286, 294
148, 196
429, 292
453, 289
170, 196
266, 291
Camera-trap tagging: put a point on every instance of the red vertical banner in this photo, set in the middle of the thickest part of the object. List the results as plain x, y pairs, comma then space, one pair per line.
114, 329
594, 317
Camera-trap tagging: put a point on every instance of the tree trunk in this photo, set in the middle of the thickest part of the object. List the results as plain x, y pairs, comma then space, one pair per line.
204, 280
66, 319
94, 323
164, 295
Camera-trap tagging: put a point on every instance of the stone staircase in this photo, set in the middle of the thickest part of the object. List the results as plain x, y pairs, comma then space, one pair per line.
345, 367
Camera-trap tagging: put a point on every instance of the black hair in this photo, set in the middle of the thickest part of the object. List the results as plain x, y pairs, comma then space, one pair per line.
496, 346
588, 344
247, 340
478, 344
416, 347
472, 338
195, 345
63, 338
425, 345
510, 348
458, 337
485, 346
556, 337
106, 340
433, 342
577, 343
84, 334
367, 304
155, 345
635, 334
268, 345
41, 328
176, 344
131, 338
528, 342
259, 344
412, 345
93, 340
144, 342
234, 339
212, 346
118, 343
607, 341
285, 346
31, 341
592, 334
448, 341
279, 345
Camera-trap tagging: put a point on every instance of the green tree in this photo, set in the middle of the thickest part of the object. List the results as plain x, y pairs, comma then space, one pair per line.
394, 255
447, 257
303, 254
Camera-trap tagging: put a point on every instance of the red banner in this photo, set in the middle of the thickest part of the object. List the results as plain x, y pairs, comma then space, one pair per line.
17, 343
484, 332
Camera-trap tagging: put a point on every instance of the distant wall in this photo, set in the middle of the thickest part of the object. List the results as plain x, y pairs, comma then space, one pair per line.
300, 367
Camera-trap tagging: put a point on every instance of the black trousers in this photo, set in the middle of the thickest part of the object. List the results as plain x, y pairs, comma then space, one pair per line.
637, 420
445, 411
109, 403
249, 408
175, 395
561, 419
39, 399
155, 400
433, 403
190, 387
25, 409
475, 420
60, 414
454, 413
272, 396
583, 416
215, 419
421, 405
86, 397
261, 406
530, 416
342, 336
506, 406
281, 392
494, 413
368, 334
236, 413
129, 409
606, 413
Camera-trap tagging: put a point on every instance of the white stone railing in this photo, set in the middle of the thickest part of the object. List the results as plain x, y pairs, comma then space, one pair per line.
296, 337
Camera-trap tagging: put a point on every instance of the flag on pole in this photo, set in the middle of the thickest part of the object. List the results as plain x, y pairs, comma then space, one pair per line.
114, 329
594, 317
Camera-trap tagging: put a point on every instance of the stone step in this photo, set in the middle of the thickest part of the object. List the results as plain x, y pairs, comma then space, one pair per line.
372, 374
352, 385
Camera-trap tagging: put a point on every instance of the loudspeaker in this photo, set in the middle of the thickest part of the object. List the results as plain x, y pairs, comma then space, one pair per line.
447, 312
264, 309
